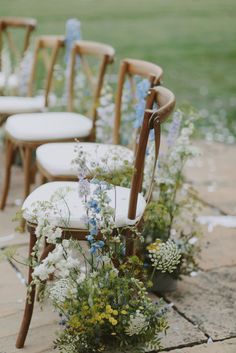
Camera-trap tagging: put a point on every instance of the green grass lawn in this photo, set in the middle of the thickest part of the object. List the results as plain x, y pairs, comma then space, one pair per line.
193, 40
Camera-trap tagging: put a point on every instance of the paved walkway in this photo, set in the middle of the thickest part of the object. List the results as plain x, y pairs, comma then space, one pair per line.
203, 318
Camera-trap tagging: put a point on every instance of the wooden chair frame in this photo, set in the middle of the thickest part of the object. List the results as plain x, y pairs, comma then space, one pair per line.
152, 120
29, 24
44, 42
128, 68
84, 49
26, 147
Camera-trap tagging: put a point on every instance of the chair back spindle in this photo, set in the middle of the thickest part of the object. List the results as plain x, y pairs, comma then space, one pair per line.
153, 118
7, 24
130, 68
44, 44
105, 55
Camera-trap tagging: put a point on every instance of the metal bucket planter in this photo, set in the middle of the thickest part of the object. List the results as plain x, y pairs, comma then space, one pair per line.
163, 282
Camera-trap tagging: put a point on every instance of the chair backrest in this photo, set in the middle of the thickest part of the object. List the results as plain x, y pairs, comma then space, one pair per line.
48, 47
7, 24
128, 69
153, 118
105, 55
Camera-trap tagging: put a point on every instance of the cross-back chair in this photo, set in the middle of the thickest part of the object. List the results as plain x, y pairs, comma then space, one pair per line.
8, 25
47, 48
54, 159
86, 49
28, 131
129, 204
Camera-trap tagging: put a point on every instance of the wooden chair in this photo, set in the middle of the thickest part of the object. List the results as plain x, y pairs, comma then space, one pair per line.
28, 131
129, 204
7, 24
54, 159
48, 48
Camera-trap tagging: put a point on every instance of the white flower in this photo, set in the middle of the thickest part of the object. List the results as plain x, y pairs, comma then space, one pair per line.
164, 256
60, 290
193, 240
43, 271
81, 278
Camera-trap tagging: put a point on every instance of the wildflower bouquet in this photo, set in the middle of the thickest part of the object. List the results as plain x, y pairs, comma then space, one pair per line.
173, 210
100, 294
108, 312
172, 213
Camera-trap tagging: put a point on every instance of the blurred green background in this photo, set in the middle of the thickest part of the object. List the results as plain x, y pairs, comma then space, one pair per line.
193, 40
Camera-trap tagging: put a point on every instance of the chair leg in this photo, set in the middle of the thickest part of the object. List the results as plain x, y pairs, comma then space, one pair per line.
27, 170
9, 161
129, 243
33, 174
29, 304
43, 179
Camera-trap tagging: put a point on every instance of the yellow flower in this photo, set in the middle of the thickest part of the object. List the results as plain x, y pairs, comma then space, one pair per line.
109, 309
155, 245
115, 312
113, 321
113, 334
124, 312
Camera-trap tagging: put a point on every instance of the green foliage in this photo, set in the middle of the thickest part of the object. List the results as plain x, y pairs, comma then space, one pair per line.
172, 215
110, 312
120, 177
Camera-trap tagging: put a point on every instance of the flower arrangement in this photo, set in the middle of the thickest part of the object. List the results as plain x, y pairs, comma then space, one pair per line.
173, 210
174, 207
100, 295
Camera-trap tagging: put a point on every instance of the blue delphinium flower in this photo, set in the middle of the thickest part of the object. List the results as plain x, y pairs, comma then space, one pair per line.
96, 245
84, 187
174, 129
73, 33
142, 89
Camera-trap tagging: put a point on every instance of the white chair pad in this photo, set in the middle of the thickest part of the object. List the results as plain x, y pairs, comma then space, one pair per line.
56, 158
119, 196
13, 105
48, 126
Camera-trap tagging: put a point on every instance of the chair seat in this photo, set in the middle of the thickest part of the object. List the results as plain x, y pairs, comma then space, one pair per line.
48, 126
119, 196
13, 105
56, 158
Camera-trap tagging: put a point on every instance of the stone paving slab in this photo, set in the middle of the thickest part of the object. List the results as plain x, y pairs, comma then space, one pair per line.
216, 163
12, 298
181, 332
223, 197
218, 248
39, 340
10, 324
214, 175
21, 256
8, 235
12, 291
209, 301
227, 346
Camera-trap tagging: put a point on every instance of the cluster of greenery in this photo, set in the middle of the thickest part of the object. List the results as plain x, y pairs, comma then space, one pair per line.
97, 325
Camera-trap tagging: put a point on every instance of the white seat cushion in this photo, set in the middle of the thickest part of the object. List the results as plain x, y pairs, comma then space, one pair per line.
13, 105
48, 126
56, 158
119, 196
